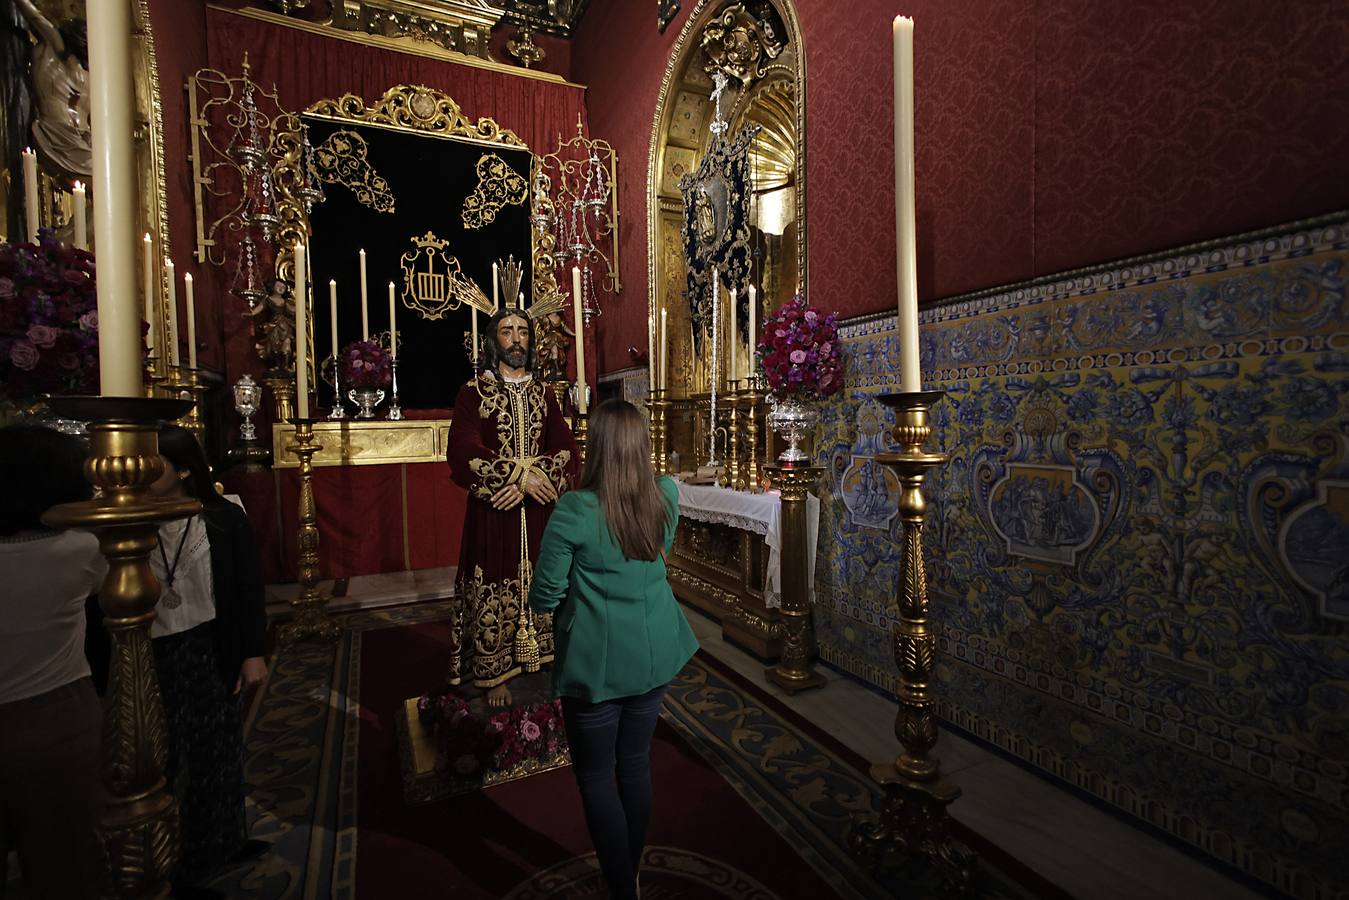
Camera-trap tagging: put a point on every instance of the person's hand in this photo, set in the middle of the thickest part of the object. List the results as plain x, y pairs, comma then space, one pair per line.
507, 498
251, 674
539, 487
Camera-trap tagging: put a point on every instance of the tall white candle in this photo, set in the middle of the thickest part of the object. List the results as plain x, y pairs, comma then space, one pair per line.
111, 94
733, 364
578, 325
664, 384
30, 207
148, 267
906, 248
474, 347
302, 334
79, 208
365, 306
172, 339
496, 302
191, 321
652, 326
393, 325
753, 326
332, 313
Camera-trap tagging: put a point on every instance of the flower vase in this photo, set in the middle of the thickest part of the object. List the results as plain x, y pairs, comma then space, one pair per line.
792, 418
366, 399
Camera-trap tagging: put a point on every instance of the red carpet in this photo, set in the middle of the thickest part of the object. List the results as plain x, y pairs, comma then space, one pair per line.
486, 845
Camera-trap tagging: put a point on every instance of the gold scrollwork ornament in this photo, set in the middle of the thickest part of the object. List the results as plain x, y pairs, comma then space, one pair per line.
739, 45
344, 159
498, 186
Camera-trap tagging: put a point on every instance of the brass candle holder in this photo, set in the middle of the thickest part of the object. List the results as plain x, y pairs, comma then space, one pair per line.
579, 428
750, 398
193, 389
309, 608
735, 480
795, 670
139, 827
659, 403
915, 819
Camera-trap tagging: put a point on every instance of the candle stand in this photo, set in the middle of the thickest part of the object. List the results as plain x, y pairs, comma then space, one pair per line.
310, 614
139, 826
915, 820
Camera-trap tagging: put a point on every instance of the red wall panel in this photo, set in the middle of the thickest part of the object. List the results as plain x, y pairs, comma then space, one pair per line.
1051, 134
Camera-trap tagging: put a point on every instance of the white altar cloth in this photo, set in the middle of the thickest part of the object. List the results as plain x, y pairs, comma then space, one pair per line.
759, 513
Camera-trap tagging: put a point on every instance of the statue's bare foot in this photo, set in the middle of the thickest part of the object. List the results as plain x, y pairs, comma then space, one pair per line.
499, 696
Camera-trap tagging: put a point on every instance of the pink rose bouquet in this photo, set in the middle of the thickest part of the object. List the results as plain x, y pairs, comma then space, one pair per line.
800, 353
366, 364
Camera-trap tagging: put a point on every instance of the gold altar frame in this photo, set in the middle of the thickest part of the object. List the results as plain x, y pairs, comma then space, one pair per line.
414, 109
665, 159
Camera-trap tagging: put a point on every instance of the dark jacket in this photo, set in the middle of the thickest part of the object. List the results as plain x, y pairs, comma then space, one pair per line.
240, 626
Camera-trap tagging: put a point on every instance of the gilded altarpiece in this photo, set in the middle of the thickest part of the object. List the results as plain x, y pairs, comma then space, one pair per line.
1137, 552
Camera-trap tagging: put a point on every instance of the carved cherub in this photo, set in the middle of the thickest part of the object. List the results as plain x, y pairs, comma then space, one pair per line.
274, 327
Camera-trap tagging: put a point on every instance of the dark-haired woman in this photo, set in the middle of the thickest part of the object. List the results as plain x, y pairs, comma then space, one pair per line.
620, 636
50, 720
208, 638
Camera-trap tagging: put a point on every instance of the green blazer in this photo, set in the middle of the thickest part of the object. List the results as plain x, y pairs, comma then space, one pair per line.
617, 629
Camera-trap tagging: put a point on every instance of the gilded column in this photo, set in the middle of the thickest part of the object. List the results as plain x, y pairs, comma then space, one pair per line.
915, 820
795, 671
735, 478
309, 608
750, 399
139, 828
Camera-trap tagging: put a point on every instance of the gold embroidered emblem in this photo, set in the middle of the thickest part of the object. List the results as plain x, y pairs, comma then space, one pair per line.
344, 159
498, 185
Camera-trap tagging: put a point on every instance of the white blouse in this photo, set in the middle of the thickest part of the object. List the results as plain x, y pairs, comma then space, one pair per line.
188, 599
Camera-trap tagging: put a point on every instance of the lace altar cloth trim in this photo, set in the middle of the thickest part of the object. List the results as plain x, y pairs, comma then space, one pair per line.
757, 513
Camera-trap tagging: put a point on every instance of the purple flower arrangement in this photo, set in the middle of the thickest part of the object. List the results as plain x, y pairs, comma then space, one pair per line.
48, 320
468, 745
800, 353
366, 364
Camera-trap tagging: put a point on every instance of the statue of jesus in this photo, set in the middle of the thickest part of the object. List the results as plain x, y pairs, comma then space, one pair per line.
60, 68
512, 450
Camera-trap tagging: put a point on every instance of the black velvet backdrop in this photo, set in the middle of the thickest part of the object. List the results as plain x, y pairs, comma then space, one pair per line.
429, 178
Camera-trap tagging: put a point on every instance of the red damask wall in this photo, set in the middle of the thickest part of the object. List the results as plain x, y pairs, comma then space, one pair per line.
1051, 134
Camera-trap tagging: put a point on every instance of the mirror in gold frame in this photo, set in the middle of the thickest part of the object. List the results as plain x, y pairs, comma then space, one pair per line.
758, 46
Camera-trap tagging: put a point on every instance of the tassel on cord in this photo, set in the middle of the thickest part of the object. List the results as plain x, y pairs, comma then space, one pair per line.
526, 638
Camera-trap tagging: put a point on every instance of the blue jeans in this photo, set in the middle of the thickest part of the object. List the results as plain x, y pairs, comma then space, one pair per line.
611, 758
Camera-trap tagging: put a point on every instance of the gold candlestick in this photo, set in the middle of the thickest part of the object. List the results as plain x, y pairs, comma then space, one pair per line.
658, 402
750, 399
735, 478
579, 428
138, 828
194, 390
310, 613
915, 819
795, 671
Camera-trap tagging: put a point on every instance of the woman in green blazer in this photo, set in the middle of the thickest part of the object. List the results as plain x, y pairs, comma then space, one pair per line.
619, 635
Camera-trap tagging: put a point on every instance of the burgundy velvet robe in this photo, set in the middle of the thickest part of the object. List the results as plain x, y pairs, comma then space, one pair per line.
499, 432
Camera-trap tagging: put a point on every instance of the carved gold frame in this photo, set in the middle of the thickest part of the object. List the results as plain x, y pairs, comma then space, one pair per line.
681, 54
416, 109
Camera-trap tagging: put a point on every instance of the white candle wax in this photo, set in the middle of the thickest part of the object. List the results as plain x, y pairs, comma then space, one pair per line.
111, 94
332, 313
148, 268
172, 339
474, 348
753, 326
393, 325
733, 363
30, 203
664, 352
578, 325
191, 321
79, 208
906, 247
365, 306
496, 302
301, 335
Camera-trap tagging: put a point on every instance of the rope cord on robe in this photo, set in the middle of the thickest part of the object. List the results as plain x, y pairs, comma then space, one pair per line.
526, 639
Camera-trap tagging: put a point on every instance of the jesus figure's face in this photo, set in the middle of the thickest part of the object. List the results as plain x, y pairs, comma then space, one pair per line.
513, 341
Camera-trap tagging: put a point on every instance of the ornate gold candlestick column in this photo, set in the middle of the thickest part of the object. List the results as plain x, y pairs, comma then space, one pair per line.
310, 613
915, 819
196, 391
283, 394
659, 403
579, 429
795, 671
750, 399
139, 826
735, 480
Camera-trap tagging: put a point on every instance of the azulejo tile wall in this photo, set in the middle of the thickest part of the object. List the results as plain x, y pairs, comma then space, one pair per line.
1139, 550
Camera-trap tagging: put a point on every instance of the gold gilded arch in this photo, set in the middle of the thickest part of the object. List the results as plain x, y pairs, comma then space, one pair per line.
767, 89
